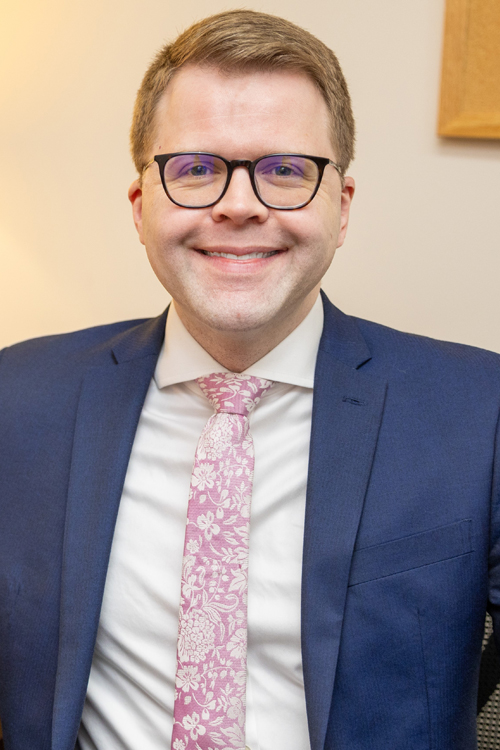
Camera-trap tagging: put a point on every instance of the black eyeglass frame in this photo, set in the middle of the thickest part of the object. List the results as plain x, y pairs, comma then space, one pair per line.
320, 161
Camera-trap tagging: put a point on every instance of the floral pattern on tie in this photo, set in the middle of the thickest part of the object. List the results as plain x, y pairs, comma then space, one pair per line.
209, 708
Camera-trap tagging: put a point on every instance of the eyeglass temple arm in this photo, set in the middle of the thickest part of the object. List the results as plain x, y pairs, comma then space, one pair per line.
339, 170
148, 165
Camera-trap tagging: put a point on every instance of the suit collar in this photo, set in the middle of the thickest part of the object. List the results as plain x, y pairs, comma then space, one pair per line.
342, 338
142, 340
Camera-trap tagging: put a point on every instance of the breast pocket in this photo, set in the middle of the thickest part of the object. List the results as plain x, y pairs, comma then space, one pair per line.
410, 552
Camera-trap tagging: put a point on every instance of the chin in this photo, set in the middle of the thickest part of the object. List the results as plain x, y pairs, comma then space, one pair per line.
234, 318
236, 324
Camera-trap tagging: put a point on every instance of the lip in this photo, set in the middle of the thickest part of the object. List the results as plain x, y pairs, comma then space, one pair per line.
242, 253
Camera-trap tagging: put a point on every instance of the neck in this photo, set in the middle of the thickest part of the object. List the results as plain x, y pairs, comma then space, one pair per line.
238, 350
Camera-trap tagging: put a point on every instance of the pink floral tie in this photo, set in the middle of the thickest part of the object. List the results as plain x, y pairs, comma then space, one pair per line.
209, 709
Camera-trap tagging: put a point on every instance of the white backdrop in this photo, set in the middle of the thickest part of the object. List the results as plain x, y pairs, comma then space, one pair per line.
422, 253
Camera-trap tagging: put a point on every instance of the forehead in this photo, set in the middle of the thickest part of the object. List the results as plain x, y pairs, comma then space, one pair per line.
260, 112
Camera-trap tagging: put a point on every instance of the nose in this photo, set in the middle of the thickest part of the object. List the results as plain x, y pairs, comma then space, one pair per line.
239, 204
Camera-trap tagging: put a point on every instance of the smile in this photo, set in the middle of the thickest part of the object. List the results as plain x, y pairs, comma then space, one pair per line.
231, 256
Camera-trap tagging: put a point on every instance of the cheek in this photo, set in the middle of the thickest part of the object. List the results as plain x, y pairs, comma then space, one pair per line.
164, 226
316, 228
329, 226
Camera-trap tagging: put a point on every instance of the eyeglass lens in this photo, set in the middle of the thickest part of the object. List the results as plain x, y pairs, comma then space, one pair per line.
284, 181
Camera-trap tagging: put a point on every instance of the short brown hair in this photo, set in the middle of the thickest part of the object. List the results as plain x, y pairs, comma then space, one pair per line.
239, 41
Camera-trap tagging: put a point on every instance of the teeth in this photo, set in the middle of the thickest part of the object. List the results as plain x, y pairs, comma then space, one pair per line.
248, 256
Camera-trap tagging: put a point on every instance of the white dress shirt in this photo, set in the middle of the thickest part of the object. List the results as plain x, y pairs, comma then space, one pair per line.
130, 698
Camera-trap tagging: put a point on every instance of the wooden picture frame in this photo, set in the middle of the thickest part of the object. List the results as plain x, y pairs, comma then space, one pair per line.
470, 78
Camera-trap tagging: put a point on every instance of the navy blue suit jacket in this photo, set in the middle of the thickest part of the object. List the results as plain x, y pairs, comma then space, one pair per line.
401, 544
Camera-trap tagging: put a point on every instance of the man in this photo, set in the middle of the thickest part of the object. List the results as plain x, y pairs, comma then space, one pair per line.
374, 532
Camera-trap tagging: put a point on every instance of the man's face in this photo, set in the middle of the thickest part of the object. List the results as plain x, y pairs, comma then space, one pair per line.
241, 117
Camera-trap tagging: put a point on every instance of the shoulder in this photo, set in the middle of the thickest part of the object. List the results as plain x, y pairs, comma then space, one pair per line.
443, 390
89, 346
427, 373
397, 349
55, 364
87, 343
391, 353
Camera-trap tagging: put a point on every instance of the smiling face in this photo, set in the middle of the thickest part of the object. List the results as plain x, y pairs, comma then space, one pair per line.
281, 256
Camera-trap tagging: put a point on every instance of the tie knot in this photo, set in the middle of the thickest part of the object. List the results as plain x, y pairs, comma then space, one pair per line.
232, 393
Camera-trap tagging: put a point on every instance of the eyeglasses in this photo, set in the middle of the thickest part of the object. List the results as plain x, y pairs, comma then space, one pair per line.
197, 179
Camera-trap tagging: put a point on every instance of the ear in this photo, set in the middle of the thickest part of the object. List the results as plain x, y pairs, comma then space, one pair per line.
135, 197
345, 206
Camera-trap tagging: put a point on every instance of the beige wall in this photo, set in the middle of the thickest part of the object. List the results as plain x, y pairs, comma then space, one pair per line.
423, 248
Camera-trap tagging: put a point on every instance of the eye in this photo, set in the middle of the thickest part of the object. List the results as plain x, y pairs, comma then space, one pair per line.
282, 168
193, 168
282, 171
199, 170
278, 169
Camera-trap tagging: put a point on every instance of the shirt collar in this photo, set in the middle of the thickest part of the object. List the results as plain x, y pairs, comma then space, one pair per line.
292, 361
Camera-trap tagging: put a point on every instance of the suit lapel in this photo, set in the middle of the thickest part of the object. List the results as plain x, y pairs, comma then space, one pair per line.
109, 409
347, 411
